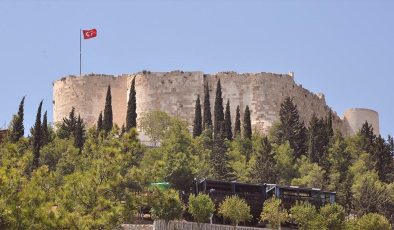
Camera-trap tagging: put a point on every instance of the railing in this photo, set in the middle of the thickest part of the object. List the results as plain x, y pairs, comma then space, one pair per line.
183, 225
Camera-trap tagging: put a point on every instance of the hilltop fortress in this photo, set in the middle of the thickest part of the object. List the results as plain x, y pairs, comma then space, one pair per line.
176, 92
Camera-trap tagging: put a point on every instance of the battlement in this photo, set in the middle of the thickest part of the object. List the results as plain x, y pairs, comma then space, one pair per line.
175, 93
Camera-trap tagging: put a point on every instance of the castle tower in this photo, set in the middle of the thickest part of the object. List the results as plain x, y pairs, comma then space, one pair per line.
355, 118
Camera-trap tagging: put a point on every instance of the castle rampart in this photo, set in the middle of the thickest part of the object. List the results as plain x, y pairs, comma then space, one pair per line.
175, 93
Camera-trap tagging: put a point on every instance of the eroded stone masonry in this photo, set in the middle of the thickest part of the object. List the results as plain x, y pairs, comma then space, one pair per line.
175, 93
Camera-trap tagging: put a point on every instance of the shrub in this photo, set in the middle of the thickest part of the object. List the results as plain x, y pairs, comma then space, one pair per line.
201, 207
235, 209
274, 213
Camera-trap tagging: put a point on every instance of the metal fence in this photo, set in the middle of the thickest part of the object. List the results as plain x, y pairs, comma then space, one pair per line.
183, 225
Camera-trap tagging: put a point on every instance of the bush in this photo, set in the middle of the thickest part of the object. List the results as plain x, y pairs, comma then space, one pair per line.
306, 216
235, 209
166, 205
274, 213
373, 221
333, 216
201, 207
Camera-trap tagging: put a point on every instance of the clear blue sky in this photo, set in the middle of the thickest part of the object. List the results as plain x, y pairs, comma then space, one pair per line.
342, 48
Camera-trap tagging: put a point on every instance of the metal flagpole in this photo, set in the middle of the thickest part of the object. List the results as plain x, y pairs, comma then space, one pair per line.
80, 53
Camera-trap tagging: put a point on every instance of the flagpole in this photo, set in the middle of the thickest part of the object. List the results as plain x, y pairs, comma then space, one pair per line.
80, 53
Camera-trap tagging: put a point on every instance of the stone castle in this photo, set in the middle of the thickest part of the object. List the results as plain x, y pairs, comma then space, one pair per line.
176, 92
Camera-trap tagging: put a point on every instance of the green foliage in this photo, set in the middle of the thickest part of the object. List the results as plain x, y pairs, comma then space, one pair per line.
318, 141
306, 216
100, 122
227, 122
237, 124
291, 128
197, 124
17, 128
131, 116
107, 118
333, 216
207, 119
218, 114
67, 127
373, 221
274, 213
235, 209
201, 207
36, 133
166, 205
310, 174
45, 130
247, 125
155, 124
264, 169
285, 163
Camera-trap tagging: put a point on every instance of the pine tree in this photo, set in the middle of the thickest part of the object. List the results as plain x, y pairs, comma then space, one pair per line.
36, 133
79, 133
264, 169
68, 125
100, 122
218, 110
329, 127
45, 131
237, 128
227, 122
368, 137
18, 130
291, 128
220, 159
247, 125
197, 125
207, 119
131, 118
107, 120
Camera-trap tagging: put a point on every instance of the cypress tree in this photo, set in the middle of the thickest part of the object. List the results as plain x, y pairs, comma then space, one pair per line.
264, 169
220, 159
100, 122
37, 138
330, 129
237, 128
227, 122
107, 120
218, 110
291, 128
68, 125
197, 125
368, 137
45, 130
247, 124
207, 119
123, 130
131, 118
18, 130
79, 133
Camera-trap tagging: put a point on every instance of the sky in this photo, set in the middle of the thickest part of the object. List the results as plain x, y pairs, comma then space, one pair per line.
343, 48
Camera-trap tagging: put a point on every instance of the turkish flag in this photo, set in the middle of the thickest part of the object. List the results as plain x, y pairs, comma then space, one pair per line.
88, 34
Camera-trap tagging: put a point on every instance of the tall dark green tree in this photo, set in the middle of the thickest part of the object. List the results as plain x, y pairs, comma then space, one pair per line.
100, 122
218, 110
318, 141
107, 120
17, 129
291, 128
227, 122
237, 125
384, 162
368, 137
197, 124
45, 130
79, 133
264, 169
131, 118
36, 133
247, 125
329, 127
220, 159
207, 118
68, 125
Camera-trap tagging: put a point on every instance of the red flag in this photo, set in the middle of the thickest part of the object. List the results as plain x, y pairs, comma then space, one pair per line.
87, 34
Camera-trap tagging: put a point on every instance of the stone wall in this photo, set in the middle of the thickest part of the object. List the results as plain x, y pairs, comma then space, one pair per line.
87, 94
175, 93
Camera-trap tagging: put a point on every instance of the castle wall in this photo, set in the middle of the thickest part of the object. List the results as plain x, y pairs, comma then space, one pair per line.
175, 93
87, 94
